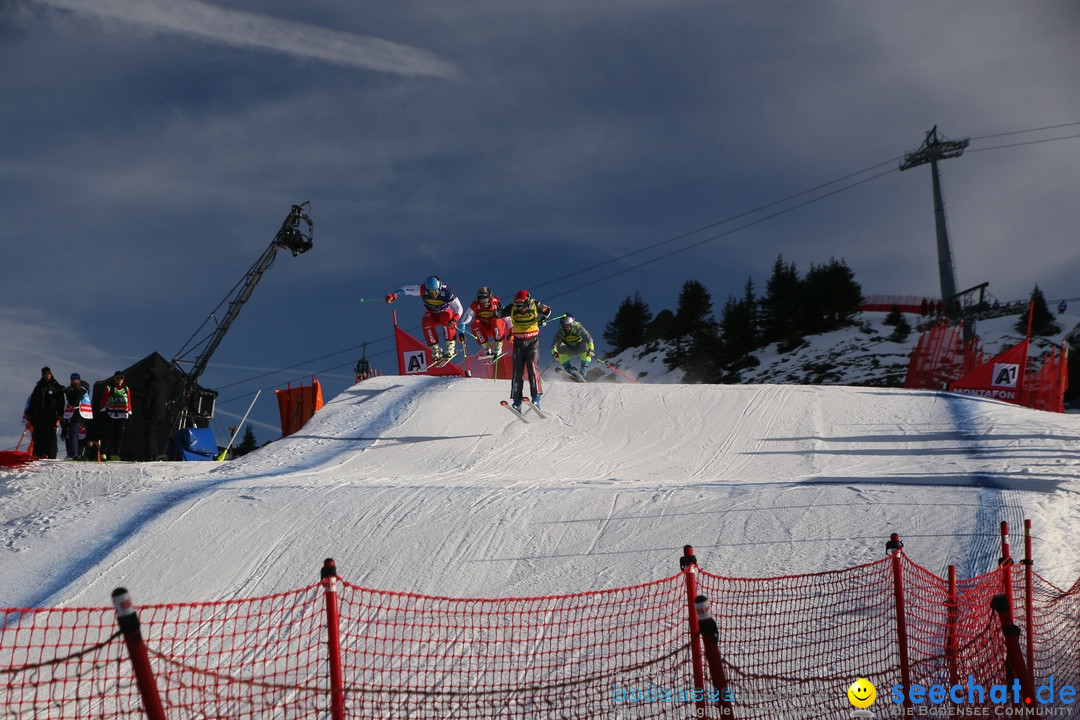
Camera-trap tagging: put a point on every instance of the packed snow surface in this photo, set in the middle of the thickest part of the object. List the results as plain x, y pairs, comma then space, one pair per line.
427, 485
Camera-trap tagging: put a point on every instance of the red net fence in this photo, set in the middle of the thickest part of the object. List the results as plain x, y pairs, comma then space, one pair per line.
943, 360
691, 645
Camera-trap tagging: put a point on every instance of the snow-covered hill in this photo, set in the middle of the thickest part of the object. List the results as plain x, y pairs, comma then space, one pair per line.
862, 354
427, 485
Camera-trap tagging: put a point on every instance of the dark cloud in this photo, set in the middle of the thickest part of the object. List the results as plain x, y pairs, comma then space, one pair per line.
511, 145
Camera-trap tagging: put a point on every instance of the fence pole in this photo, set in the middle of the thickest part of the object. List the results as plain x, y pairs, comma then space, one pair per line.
128, 621
1029, 599
951, 643
688, 566
895, 546
333, 639
710, 637
1014, 656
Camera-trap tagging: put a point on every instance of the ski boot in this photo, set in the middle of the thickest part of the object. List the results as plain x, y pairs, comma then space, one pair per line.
451, 348
516, 405
498, 348
536, 401
585, 368
437, 353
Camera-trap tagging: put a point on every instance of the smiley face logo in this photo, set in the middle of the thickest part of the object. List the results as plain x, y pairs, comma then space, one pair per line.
862, 693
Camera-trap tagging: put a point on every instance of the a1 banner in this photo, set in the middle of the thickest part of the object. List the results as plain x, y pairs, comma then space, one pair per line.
1001, 377
414, 358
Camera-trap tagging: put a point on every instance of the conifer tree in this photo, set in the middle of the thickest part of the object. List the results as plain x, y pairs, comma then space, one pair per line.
629, 327
248, 443
831, 296
1042, 320
693, 333
738, 325
781, 309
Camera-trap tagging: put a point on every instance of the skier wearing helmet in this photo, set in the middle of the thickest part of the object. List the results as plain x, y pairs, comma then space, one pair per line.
488, 328
442, 310
526, 316
572, 339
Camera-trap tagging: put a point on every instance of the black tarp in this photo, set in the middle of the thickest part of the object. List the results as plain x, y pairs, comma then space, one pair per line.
155, 387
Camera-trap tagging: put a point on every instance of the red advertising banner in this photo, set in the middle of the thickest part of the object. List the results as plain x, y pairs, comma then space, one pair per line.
297, 405
1001, 377
414, 357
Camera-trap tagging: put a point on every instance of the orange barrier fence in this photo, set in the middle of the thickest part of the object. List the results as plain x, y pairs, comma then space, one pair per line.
692, 645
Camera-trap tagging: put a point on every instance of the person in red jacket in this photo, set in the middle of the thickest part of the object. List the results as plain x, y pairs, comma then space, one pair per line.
116, 406
488, 328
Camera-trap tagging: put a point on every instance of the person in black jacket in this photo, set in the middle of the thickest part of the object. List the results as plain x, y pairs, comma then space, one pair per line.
44, 411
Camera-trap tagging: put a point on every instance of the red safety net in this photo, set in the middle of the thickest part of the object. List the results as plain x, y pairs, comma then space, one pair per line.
940, 357
1044, 388
786, 647
942, 360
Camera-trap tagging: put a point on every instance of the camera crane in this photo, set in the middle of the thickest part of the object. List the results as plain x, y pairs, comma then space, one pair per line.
193, 405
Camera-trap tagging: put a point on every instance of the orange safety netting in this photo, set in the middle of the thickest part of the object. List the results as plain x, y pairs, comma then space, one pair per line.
787, 647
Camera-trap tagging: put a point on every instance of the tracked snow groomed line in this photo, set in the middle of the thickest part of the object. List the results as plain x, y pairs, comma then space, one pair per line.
426, 485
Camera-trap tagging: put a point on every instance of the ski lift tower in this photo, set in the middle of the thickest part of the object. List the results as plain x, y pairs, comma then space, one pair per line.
932, 150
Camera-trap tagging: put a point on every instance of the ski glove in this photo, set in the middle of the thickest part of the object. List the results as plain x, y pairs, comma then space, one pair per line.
554, 353
391, 297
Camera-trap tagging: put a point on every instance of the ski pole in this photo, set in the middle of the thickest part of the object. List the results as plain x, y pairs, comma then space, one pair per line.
382, 300
618, 371
226, 450
21, 438
465, 349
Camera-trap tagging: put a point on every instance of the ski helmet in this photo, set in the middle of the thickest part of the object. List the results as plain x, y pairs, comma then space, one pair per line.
432, 285
567, 321
521, 297
483, 293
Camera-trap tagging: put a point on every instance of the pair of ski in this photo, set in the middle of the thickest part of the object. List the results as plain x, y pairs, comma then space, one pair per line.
527, 405
443, 360
574, 373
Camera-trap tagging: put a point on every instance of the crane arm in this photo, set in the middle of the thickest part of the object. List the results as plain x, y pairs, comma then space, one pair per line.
295, 235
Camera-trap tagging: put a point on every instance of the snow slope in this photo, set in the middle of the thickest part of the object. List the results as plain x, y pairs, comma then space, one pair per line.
427, 485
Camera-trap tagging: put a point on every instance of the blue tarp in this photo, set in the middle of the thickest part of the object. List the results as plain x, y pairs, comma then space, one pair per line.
195, 444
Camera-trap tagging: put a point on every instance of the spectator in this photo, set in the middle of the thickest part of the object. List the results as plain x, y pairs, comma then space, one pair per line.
116, 405
44, 411
78, 412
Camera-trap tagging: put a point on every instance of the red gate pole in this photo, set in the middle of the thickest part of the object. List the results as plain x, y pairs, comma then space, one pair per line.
1029, 599
1014, 656
688, 566
333, 639
710, 637
128, 621
951, 643
894, 546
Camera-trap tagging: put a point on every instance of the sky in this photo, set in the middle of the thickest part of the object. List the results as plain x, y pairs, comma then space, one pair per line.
152, 149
